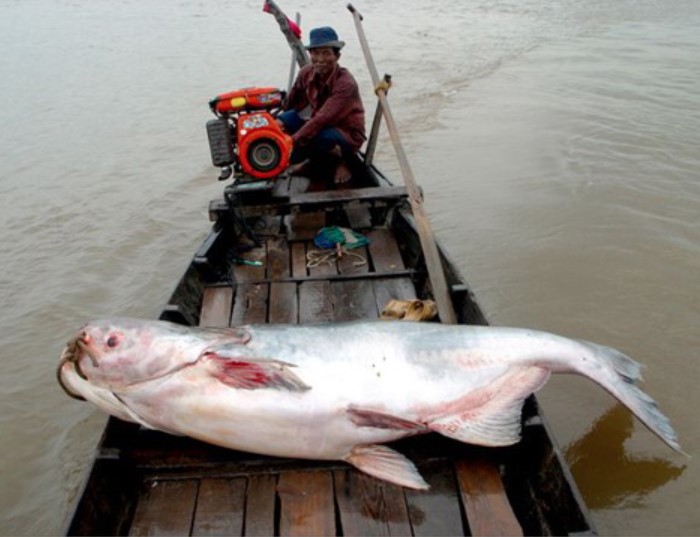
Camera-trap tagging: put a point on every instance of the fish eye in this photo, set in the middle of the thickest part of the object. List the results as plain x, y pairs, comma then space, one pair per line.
113, 340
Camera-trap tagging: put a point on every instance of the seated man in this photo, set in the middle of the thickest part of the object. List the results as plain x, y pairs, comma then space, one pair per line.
336, 127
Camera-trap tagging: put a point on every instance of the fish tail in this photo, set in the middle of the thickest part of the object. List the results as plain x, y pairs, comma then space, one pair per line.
618, 375
627, 369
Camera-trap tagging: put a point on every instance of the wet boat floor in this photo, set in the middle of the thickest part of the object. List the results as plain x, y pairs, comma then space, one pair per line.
285, 289
197, 490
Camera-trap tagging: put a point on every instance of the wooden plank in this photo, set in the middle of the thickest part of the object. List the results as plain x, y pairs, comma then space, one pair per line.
278, 262
216, 307
202, 253
268, 225
315, 302
249, 273
260, 506
304, 226
436, 511
386, 289
220, 507
306, 503
349, 194
350, 263
298, 184
484, 498
283, 303
281, 189
298, 250
359, 217
250, 305
384, 250
369, 276
353, 299
166, 508
283, 201
368, 506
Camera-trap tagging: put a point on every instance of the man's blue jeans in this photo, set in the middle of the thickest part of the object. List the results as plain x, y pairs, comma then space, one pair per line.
320, 146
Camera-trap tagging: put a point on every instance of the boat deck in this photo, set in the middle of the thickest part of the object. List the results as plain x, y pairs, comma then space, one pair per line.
284, 289
330, 500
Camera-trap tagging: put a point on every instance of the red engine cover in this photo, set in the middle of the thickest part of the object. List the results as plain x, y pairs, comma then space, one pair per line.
263, 148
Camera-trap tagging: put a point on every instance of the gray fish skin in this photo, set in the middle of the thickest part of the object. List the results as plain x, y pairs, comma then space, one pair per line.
336, 391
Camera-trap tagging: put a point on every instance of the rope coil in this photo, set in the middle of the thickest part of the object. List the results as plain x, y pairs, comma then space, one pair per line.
316, 258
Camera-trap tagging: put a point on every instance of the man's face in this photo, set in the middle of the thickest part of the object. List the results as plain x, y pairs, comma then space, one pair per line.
323, 60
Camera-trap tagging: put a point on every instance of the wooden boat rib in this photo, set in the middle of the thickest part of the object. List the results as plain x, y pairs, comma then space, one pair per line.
252, 268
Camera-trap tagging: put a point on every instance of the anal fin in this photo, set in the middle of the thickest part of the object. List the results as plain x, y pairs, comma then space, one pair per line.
495, 421
385, 463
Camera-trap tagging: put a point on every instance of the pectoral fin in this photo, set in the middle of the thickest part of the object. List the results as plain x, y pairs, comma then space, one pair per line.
136, 418
387, 464
253, 373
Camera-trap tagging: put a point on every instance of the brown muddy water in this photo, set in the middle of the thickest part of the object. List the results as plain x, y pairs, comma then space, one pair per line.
556, 142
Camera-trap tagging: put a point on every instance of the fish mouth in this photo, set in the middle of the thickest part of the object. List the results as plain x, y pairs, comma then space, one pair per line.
72, 354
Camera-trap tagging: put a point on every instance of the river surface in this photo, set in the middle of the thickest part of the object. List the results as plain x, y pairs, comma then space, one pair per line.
557, 142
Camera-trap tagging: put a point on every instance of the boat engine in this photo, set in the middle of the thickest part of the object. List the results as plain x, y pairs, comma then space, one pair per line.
245, 139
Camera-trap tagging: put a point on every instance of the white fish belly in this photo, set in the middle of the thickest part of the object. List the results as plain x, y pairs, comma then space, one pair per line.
312, 424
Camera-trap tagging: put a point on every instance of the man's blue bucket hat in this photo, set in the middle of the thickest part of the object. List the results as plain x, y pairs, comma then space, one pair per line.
324, 37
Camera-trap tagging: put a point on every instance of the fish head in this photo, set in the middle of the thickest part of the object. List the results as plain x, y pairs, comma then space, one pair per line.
117, 354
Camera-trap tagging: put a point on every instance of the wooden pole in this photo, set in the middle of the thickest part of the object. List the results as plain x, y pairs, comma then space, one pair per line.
374, 131
425, 232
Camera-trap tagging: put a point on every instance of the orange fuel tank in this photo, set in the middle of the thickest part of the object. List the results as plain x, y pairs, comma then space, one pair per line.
248, 99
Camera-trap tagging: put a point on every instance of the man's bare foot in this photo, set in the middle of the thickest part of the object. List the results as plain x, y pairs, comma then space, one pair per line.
342, 174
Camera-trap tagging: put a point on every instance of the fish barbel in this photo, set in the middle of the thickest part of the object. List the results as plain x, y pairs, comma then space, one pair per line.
336, 391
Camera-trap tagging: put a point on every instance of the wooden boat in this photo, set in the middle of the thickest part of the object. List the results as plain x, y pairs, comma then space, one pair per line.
253, 268
259, 264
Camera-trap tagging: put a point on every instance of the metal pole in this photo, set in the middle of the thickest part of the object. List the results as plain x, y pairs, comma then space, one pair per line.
293, 65
302, 57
